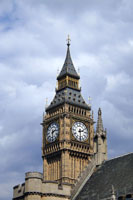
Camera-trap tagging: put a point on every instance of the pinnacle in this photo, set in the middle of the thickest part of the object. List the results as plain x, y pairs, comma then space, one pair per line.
99, 111
99, 122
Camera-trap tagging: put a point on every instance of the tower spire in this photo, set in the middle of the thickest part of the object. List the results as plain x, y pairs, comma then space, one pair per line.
68, 89
68, 67
99, 128
100, 140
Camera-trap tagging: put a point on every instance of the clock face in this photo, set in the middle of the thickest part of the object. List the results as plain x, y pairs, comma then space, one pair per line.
80, 131
52, 132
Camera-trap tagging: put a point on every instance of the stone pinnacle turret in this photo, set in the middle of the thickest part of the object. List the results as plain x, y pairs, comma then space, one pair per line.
100, 140
99, 128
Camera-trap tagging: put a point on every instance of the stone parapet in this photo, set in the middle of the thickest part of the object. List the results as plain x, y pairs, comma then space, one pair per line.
35, 188
33, 182
53, 189
37, 175
18, 191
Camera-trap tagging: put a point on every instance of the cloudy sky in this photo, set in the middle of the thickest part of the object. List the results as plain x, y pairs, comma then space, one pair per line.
33, 46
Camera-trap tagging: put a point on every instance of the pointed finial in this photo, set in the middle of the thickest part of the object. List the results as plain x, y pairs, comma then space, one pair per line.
43, 116
56, 85
78, 71
112, 190
89, 100
99, 111
68, 41
46, 105
113, 196
99, 122
65, 93
92, 114
58, 71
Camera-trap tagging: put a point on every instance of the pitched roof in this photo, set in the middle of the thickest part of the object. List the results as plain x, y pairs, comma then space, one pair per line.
68, 67
70, 96
117, 172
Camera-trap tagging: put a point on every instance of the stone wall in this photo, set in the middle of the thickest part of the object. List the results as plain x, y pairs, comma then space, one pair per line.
35, 188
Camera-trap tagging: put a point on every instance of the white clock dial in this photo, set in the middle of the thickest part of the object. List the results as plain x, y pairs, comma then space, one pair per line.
52, 132
80, 131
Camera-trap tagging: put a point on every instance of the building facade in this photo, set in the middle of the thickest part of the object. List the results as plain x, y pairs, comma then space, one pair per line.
71, 151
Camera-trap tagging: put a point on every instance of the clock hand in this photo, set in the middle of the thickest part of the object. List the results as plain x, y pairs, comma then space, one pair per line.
80, 133
83, 130
52, 134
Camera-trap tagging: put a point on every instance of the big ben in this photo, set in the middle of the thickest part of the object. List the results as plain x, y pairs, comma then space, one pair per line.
71, 151
75, 165
68, 132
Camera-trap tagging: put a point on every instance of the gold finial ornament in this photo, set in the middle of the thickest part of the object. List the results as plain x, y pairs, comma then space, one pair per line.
65, 93
68, 40
46, 105
78, 71
89, 100
58, 71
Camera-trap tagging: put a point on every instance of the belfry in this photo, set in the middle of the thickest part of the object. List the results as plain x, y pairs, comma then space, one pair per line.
67, 129
68, 142
75, 164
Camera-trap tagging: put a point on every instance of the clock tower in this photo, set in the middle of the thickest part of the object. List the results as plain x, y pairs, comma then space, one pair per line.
71, 151
68, 132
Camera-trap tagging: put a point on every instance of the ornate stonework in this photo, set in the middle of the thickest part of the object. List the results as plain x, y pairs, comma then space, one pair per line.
68, 145
66, 157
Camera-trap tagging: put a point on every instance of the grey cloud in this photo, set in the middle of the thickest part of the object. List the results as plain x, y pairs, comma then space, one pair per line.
32, 47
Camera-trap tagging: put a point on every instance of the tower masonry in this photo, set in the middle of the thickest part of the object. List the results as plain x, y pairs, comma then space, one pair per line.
70, 148
67, 129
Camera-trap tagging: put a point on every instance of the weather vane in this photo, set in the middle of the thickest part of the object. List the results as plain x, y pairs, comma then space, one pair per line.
68, 40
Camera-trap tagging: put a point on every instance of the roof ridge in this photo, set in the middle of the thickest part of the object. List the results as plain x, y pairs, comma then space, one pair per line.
119, 156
